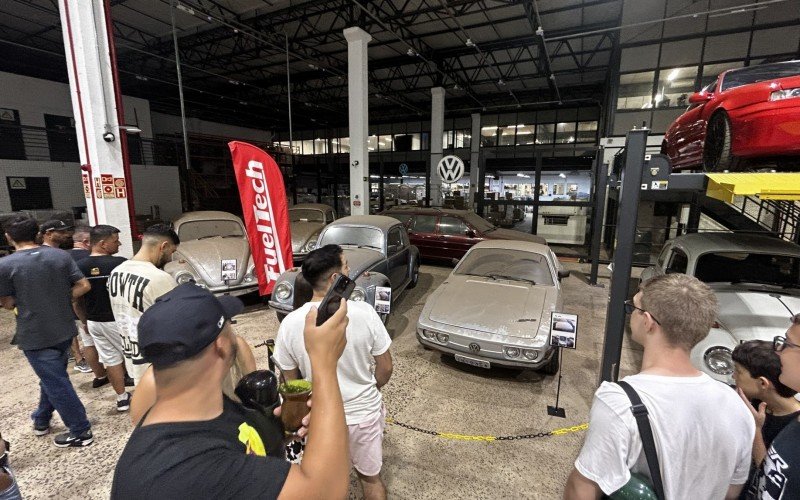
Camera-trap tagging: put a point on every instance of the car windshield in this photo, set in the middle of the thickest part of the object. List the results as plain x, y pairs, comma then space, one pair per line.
306, 215
353, 235
746, 267
744, 76
478, 222
506, 264
200, 229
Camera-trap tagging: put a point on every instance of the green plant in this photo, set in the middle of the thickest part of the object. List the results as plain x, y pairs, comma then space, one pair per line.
295, 387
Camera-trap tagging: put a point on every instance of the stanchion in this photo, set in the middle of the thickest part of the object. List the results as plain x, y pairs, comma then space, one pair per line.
555, 411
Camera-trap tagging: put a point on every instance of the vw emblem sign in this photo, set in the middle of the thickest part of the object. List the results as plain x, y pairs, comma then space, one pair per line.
451, 169
473, 347
403, 169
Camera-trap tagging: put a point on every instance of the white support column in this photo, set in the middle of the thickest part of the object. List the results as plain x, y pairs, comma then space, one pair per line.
358, 95
437, 133
475, 158
93, 103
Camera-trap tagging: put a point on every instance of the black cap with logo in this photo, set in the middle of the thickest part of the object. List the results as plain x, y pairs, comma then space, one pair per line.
183, 322
55, 225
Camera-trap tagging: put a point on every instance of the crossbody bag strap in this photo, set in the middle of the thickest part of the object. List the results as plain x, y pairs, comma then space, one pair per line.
639, 411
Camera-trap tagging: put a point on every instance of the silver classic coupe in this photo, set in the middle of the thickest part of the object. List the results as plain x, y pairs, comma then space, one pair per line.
756, 280
382, 262
306, 221
214, 253
495, 307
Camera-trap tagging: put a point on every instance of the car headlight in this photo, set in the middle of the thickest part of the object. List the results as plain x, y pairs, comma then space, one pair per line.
359, 294
784, 94
282, 291
184, 277
311, 245
249, 277
428, 335
511, 352
718, 360
442, 337
530, 354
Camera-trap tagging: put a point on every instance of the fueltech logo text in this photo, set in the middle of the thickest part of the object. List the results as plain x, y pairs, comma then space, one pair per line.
262, 209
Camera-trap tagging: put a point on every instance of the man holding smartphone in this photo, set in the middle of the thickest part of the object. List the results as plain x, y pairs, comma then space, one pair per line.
367, 346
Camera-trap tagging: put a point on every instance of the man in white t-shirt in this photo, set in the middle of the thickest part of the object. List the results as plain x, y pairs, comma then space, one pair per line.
367, 347
135, 284
702, 429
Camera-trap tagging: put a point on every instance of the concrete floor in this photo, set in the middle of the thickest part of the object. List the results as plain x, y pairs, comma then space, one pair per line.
425, 391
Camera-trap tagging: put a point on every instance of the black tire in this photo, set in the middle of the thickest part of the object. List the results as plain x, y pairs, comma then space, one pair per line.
551, 368
280, 316
414, 277
717, 155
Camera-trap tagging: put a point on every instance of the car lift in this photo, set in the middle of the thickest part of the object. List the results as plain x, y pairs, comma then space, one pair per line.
640, 172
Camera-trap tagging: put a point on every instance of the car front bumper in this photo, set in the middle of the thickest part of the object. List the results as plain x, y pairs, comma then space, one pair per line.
767, 128
487, 347
235, 290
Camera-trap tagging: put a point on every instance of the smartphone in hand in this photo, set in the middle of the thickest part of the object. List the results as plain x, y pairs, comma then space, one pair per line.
341, 289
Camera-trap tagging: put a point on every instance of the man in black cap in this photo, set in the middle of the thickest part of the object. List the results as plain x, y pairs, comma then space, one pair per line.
42, 282
184, 446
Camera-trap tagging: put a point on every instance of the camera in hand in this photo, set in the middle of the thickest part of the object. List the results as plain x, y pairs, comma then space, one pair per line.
341, 289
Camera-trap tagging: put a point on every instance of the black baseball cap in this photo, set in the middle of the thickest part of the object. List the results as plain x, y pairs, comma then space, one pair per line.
183, 322
55, 225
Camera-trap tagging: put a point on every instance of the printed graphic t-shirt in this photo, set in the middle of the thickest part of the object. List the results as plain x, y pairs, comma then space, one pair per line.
218, 458
133, 286
97, 270
779, 477
40, 280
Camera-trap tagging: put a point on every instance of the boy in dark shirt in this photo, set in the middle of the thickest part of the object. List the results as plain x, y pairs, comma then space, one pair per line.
95, 308
757, 375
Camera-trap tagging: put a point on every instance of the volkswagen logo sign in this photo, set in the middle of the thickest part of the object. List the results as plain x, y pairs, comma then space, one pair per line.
473, 347
451, 169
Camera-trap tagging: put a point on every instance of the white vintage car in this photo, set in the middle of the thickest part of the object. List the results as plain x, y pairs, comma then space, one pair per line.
495, 307
306, 221
214, 253
756, 280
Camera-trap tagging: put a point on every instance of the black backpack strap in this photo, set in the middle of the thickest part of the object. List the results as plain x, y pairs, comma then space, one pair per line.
639, 411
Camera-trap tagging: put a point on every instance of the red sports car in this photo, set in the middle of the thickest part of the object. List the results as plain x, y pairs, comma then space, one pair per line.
746, 113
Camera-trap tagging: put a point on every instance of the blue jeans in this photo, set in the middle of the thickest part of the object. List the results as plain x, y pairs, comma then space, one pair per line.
56, 391
12, 492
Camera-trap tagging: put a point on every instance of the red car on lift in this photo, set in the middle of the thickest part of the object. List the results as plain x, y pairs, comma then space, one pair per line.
751, 112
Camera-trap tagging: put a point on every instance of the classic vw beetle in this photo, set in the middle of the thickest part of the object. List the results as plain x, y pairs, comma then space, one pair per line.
306, 221
214, 253
378, 252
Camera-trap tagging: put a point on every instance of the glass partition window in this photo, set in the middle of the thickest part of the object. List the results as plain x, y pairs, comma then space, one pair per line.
635, 90
372, 143
307, 147
507, 135
525, 134
587, 131
385, 143
320, 146
488, 136
674, 87
565, 133
545, 133
344, 145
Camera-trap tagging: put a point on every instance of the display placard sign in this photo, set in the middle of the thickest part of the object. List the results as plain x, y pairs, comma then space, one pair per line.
383, 299
564, 330
228, 267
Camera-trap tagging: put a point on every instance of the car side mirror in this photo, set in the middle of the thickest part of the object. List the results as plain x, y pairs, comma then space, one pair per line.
470, 233
700, 97
562, 273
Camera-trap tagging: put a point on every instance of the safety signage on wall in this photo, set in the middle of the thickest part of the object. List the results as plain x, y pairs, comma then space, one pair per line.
17, 183
87, 187
107, 186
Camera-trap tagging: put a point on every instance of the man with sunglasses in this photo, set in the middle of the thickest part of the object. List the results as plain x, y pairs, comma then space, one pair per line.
779, 477
703, 431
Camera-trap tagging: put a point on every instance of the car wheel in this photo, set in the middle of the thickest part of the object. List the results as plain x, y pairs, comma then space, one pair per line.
414, 277
717, 155
280, 316
551, 368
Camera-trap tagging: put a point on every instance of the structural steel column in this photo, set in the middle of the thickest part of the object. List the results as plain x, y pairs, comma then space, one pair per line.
437, 133
474, 158
357, 88
106, 184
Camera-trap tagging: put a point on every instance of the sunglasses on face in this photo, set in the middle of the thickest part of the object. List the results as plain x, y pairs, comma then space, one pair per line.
630, 307
780, 343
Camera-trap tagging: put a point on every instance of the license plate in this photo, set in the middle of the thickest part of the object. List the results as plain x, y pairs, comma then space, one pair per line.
473, 362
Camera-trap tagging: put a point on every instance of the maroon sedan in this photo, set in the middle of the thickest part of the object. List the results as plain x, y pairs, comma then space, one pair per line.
446, 234
751, 112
